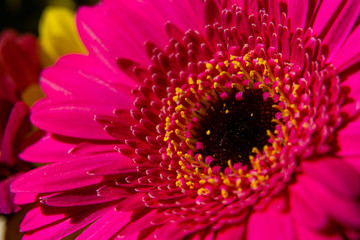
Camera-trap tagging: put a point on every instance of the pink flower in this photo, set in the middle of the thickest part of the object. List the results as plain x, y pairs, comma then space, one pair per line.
16, 52
201, 119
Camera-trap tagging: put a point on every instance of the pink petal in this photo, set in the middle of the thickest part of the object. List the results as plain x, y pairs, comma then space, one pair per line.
303, 232
324, 13
336, 175
25, 198
354, 162
297, 11
55, 148
348, 139
128, 24
73, 118
331, 27
269, 224
304, 210
49, 148
81, 198
65, 175
341, 210
7, 204
107, 226
67, 226
349, 53
43, 215
83, 77
232, 232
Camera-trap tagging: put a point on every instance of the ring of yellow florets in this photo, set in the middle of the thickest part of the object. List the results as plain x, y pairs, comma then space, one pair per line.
189, 103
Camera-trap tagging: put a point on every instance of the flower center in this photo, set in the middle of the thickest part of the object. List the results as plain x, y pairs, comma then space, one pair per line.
231, 129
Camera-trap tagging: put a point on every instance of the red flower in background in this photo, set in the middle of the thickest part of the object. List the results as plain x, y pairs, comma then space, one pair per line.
19, 69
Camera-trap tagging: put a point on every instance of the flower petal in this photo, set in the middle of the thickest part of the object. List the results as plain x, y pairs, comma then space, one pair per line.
330, 25
269, 224
349, 53
348, 139
64, 175
341, 210
336, 175
107, 226
71, 118
66, 226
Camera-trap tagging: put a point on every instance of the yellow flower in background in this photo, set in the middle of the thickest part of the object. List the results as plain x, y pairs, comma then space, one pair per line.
57, 34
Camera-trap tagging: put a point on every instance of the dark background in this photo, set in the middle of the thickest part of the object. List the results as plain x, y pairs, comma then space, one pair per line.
23, 15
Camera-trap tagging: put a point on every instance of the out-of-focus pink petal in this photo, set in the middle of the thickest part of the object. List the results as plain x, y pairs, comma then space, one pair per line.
7, 204
232, 232
22, 198
348, 139
344, 211
269, 224
306, 211
335, 175
303, 232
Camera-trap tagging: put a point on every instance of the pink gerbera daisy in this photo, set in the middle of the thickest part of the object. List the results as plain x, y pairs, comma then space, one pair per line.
201, 119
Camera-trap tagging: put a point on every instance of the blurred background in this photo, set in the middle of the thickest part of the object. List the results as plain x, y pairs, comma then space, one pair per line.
23, 15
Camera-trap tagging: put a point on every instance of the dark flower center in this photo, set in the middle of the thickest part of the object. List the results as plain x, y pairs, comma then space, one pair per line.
231, 129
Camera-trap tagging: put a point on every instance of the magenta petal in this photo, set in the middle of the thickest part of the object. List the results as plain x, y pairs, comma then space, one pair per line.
92, 31
303, 232
335, 35
233, 232
298, 11
273, 224
25, 198
346, 211
7, 204
305, 210
349, 53
48, 149
62, 176
107, 226
43, 215
66, 226
354, 162
348, 140
335, 175
324, 13
71, 118
83, 77
78, 198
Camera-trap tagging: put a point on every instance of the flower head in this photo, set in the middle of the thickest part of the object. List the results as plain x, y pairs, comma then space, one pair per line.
200, 119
